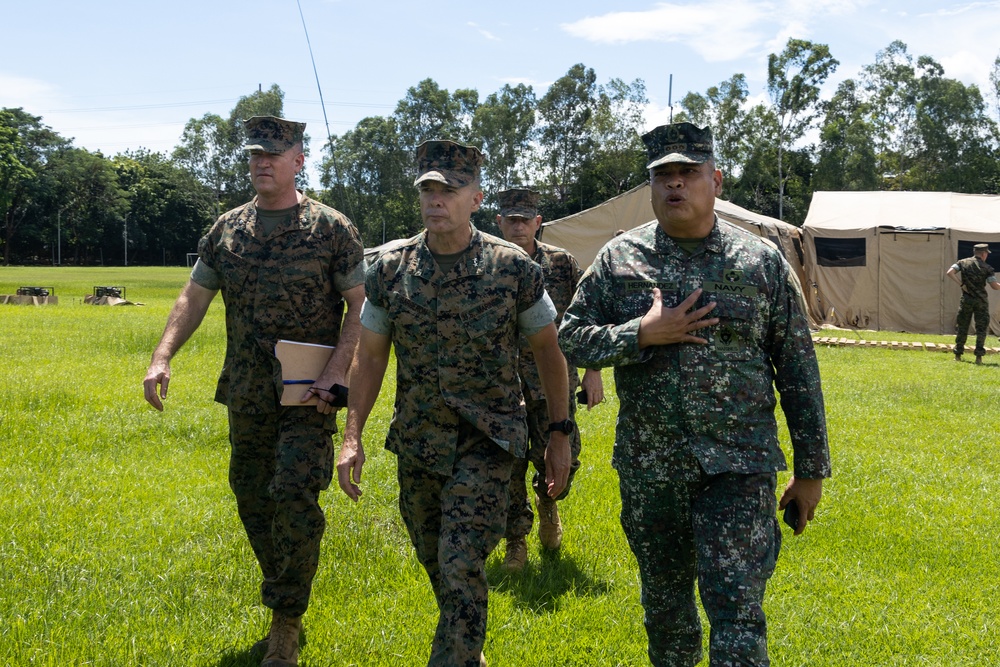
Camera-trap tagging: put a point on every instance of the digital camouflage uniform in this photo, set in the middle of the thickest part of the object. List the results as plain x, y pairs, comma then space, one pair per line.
696, 445
459, 418
974, 303
561, 272
282, 285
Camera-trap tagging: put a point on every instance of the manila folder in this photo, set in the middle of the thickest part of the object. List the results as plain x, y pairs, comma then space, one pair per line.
300, 362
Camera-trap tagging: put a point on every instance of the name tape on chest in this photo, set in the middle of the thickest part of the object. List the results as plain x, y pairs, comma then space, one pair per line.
733, 281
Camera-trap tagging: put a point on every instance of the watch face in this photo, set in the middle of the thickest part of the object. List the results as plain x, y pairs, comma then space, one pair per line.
565, 426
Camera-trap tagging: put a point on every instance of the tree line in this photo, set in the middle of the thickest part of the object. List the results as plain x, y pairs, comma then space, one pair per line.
899, 124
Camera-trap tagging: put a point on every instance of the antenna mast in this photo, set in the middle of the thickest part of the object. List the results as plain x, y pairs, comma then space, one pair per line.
322, 104
670, 97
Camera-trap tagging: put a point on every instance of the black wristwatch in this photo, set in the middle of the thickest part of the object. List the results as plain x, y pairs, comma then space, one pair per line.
565, 426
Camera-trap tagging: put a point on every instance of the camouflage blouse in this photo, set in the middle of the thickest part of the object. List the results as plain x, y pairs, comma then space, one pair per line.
562, 273
285, 285
455, 337
685, 406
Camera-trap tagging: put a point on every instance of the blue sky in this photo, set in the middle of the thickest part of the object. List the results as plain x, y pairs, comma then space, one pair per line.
119, 75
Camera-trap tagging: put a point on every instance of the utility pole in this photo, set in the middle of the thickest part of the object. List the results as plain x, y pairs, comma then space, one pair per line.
126, 239
670, 97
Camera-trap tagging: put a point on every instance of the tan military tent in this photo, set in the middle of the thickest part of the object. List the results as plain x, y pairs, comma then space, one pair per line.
584, 233
878, 259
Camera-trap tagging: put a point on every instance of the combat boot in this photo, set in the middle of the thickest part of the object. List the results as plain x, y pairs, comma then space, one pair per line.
958, 357
517, 554
283, 642
979, 360
549, 527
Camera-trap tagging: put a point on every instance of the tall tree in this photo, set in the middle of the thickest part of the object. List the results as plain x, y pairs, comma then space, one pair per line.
212, 147
755, 184
846, 158
722, 109
203, 152
27, 146
794, 78
503, 126
95, 205
430, 112
375, 176
565, 112
617, 162
169, 209
995, 87
930, 132
958, 141
890, 87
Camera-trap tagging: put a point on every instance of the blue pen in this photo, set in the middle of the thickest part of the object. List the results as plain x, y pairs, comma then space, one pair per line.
297, 381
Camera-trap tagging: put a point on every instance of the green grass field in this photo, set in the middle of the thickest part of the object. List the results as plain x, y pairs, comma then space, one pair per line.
120, 544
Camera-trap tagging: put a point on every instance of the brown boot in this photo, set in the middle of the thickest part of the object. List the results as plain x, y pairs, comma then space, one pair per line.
283, 643
958, 357
517, 554
549, 527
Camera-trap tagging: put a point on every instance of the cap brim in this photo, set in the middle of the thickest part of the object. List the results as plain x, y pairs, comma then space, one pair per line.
446, 177
686, 158
262, 149
525, 213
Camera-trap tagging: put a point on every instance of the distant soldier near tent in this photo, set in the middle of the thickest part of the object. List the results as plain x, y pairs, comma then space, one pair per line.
285, 265
973, 274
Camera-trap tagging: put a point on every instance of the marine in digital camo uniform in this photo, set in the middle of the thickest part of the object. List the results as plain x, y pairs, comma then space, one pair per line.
452, 302
285, 264
701, 321
519, 222
973, 274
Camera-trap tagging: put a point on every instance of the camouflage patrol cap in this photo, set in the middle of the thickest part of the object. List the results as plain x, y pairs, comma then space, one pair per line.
448, 162
981, 247
678, 142
518, 203
271, 134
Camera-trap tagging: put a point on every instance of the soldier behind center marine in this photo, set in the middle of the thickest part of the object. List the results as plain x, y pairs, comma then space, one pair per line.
285, 264
696, 367
452, 302
519, 222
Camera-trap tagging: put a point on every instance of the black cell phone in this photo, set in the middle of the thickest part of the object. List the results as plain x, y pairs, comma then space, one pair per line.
581, 397
339, 392
791, 515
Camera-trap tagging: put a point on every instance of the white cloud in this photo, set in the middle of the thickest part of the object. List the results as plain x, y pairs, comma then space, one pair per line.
967, 8
485, 33
718, 30
18, 91
695, 26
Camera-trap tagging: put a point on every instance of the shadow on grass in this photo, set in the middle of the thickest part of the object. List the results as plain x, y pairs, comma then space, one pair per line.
539, 585
247, 657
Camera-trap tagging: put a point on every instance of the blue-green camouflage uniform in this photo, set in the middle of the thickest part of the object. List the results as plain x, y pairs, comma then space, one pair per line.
974, 303
283, 285
561, 272
459, 418
696, 445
